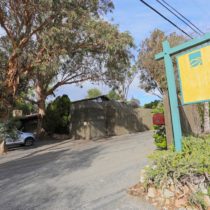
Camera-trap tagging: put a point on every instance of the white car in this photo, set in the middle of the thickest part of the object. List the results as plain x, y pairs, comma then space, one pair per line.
23, 138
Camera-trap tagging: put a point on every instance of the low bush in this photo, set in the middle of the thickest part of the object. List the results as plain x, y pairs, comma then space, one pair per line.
190, 168
193, 160
160, 136
8, 128
159, 130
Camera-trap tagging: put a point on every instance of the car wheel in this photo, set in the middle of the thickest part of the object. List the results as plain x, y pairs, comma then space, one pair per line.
29, 142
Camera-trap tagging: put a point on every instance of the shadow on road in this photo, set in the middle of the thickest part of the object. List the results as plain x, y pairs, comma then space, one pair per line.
51, 163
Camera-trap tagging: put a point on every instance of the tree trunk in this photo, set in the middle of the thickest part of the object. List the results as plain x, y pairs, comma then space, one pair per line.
206, 118
3, 147
12, 77
41, 112
41, 98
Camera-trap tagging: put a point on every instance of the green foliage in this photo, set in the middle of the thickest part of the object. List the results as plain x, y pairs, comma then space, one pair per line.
167, 165
158, 109
152, 105
121, 81
57, 116
25, 106
64, 42
196, 199
160, 136
8, 128
3, 131
159, 130
112, 95
93, 92
152, 76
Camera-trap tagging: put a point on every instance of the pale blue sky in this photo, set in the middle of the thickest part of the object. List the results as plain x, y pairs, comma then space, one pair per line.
133, 16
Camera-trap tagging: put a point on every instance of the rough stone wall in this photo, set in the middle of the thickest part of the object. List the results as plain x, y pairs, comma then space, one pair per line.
92, 120
145, 117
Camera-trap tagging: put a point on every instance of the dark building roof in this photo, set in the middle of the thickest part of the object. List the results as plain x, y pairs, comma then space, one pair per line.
34, 116
97, 99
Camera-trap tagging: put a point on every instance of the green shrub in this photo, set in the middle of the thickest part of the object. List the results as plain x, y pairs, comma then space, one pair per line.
57, 116
196, 199
8, 128
169, 165
159, 130
160, 136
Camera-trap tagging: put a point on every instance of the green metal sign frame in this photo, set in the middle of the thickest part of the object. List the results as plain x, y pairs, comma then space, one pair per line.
167, 53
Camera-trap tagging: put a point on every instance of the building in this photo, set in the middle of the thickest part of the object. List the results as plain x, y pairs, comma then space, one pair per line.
101, 117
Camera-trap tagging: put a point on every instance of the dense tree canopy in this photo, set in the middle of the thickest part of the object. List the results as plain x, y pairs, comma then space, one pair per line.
120, 83
24, 23
57, 116
152, 105
51, 43
152, 72
93, 92
113, 95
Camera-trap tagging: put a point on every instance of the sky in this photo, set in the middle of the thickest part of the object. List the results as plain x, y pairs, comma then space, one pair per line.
140, 21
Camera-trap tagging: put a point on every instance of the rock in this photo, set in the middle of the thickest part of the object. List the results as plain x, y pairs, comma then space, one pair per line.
206, 200
151, 192
159, 193
160, 199
167, 202
170, 181
155, 204
203, 188
186, 189
167, 193
191, 208
180, 202
198, 179
142, 176
172, 188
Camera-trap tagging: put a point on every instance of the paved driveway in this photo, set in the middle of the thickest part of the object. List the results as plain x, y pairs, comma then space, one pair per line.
75, 175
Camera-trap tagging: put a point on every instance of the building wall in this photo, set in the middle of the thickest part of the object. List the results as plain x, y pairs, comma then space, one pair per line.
92, 120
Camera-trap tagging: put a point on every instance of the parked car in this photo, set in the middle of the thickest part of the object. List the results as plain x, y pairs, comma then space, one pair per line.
23, 138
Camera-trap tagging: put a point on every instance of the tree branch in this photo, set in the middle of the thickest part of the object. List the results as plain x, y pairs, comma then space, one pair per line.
30, 100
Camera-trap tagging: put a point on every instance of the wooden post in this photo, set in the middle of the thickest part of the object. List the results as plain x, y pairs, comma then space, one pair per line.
168, 123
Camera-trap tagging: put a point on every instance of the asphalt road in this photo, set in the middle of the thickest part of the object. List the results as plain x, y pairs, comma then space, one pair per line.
75, 175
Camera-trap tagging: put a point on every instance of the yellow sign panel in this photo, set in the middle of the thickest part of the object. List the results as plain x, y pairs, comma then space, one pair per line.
194, 72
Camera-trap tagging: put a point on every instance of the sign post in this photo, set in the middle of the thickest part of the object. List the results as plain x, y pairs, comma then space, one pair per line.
195, 60
173, 97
